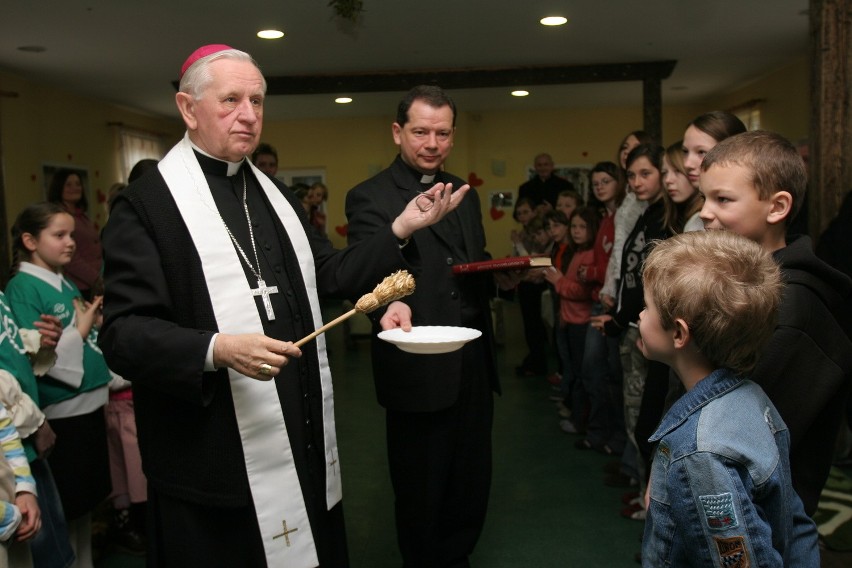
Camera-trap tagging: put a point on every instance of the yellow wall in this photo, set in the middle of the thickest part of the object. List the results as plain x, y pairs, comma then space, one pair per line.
45, 124
786, 93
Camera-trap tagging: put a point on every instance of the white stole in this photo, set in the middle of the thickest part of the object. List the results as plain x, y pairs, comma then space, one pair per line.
269, 461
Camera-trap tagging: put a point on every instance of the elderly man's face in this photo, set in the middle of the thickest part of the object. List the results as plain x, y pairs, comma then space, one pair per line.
427, 138
227, 120
543, 166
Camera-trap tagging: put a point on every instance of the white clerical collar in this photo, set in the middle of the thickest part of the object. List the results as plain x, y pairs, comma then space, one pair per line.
233, 167
427, 178
41, 273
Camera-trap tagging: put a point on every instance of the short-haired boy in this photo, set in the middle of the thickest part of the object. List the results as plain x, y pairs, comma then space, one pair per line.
754, 184
720, 489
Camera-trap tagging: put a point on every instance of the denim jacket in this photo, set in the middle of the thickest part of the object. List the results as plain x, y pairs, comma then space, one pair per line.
720, 484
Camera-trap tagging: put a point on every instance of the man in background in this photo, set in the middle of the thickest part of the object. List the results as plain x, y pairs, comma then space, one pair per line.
544, 187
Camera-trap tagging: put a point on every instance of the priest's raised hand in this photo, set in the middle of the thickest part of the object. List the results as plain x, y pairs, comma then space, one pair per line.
428, 208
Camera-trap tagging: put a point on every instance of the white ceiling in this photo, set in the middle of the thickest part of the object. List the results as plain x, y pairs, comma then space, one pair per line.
129, 52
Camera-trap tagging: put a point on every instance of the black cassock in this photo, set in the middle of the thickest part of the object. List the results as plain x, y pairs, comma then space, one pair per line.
158, 325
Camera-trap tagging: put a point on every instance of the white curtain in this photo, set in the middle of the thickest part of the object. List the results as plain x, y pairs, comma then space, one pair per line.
135, 146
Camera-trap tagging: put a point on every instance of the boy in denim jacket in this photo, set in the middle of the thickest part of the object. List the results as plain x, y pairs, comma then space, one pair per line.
720, 489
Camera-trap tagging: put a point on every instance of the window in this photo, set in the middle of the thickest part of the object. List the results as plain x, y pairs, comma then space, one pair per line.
136, 145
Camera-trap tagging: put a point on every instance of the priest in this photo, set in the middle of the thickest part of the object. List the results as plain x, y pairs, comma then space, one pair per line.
211, 272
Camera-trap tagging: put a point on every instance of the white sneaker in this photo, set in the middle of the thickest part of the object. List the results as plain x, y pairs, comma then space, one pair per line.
567, 426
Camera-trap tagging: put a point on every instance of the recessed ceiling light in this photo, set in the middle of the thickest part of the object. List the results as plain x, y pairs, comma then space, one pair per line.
270, 34
553, 21
343, 100
520, 93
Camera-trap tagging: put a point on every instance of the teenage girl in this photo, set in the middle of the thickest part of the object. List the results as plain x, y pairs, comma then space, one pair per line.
575, 306
686, 198
601, 367
644, 165
702, 135
559, 230
74, 392
625, 217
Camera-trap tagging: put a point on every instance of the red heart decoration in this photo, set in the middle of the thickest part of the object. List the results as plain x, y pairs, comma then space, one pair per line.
342, 230
34, 177
585, 154
70, 157
473, 180
497, 213
100, 196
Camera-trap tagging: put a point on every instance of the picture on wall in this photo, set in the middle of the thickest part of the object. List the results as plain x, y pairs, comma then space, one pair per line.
307, 176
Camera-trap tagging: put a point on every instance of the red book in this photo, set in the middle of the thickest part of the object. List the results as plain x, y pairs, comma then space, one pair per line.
509, 263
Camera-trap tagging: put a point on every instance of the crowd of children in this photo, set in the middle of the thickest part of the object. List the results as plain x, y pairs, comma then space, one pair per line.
55, 420
658, 323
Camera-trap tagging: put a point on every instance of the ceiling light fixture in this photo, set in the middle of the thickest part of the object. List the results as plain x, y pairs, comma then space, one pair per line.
270, 34
520, 93
32, 48
553, 21
343, 100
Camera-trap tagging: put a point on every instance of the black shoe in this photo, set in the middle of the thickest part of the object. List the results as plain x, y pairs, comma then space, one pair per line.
125, 536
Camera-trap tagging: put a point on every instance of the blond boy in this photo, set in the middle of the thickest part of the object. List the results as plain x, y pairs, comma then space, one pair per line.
720, 489
754, 184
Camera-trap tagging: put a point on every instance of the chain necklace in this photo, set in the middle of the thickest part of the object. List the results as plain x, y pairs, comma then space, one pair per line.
262, 289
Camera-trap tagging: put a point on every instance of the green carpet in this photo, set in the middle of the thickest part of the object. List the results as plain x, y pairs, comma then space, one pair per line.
548, 507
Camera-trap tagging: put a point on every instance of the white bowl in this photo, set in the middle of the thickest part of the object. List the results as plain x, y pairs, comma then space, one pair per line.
430, 339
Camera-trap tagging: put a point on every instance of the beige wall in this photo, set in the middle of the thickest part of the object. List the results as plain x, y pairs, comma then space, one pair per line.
45, 124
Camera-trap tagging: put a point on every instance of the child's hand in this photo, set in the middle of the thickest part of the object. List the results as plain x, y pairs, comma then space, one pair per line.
31, 522
607, 301
87, 314
50, 329
581, 273
552, 275
598, 322
44, 439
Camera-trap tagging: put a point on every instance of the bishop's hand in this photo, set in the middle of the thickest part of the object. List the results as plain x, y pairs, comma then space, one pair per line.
428, 208
253, 354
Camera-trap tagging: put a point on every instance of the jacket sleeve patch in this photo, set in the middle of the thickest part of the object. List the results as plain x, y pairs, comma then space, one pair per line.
719, 511
732, 552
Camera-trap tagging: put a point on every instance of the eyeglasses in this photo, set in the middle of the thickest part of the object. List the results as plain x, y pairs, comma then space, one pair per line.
425, 201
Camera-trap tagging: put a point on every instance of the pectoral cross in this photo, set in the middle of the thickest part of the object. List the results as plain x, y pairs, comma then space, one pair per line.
332, 463
264, 291
285, 534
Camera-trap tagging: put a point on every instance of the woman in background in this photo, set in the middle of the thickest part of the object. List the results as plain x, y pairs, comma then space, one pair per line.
84, 270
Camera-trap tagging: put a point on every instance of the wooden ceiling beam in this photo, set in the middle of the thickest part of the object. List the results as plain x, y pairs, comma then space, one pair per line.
467, 78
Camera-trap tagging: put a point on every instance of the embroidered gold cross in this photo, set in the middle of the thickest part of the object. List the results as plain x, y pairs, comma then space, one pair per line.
285, 534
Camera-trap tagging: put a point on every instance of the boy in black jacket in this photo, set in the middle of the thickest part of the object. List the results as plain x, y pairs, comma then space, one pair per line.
754, 184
